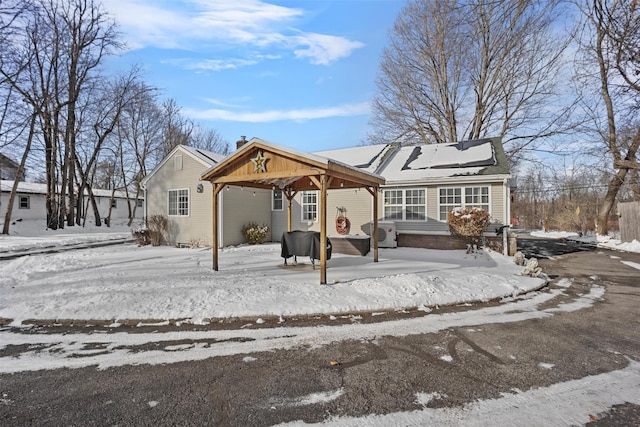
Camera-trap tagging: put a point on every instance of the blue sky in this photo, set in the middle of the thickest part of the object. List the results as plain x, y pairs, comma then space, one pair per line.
296, 73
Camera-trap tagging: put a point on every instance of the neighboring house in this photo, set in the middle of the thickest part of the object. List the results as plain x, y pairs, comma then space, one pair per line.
29, 203
423, 182
174, 189
8, 168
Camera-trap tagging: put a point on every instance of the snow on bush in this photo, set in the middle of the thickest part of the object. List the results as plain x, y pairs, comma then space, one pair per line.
255, 233
468, 223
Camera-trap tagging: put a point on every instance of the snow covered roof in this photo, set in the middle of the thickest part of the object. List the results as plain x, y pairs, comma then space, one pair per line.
427, 162
38, 188
367, 157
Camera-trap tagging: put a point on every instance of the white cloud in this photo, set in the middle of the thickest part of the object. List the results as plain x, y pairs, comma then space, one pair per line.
211, 64
279, 115
323, 49
204, 25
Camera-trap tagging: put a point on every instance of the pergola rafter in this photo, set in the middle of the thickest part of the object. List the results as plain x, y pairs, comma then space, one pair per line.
260, 164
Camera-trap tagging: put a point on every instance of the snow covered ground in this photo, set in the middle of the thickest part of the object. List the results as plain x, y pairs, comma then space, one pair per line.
161, 283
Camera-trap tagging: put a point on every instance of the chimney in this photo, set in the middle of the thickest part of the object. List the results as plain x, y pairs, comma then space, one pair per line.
241, 142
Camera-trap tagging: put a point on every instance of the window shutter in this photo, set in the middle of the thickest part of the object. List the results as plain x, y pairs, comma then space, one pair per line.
177, 163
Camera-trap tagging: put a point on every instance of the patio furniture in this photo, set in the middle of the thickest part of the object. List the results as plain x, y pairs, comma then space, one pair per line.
302, 243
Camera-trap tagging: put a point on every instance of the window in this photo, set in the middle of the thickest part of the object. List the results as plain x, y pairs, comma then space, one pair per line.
179, 202
415, 205
140, 203
452, 197
24, 202
309, 205
449, 199
114, 203
405, 205
393, 204
477, 197
277, 203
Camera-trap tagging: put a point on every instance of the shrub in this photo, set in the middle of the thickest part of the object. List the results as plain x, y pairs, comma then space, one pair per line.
254, 233
158, 226
142, 236
468, 223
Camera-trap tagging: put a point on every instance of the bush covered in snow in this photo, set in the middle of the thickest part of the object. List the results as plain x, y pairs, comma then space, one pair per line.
255, 233
468, 223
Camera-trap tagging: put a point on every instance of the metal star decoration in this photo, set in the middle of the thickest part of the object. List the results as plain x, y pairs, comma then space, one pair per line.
259, 162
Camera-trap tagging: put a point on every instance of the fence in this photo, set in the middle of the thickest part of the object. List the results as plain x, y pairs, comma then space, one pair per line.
629, 221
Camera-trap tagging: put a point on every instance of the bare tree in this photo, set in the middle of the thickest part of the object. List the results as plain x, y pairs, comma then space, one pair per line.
210, 140
471, 69
609, 39
177, 130
50, 62
107, 103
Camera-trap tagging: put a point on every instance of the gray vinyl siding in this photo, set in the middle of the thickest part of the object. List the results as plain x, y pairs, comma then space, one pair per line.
240, 207
279, 221
183, 230
358, 210
497, 202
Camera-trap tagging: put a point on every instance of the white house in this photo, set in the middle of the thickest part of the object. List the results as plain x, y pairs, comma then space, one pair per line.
29, 203
423, 182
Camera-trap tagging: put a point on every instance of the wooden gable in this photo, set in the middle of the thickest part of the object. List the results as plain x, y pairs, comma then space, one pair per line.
263, 165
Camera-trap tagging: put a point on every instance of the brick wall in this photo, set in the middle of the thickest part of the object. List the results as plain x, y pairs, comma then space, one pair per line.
449, 242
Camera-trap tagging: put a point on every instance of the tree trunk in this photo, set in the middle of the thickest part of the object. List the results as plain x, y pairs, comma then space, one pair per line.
12, 195
609, 201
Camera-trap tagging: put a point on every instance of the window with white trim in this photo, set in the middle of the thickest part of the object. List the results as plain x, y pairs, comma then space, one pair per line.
179, 202
277, 201
465, 197
405, 204
24, 202
393, 204
309, 205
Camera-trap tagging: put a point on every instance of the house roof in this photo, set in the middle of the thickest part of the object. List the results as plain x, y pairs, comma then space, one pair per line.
466, 160
285, 167
367, 157
207, 158
8, 160
38, 188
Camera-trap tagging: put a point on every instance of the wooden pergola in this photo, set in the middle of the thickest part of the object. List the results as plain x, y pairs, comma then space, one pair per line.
260, 164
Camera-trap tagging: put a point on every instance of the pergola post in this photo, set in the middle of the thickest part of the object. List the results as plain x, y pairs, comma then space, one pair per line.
374, 193
214, 238
289, 194
375, 224
323, 230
